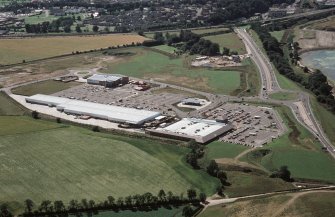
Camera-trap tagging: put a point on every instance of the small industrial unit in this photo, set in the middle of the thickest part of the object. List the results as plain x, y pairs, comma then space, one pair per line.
201, 130
110, 81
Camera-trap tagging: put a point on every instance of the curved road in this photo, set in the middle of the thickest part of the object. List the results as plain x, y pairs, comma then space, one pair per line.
301, 109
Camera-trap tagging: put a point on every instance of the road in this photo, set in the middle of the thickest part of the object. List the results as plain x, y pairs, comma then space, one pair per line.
269, 80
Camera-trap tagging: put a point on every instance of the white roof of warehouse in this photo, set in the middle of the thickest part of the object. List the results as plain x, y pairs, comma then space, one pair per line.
195, 127
116, 113
103, 77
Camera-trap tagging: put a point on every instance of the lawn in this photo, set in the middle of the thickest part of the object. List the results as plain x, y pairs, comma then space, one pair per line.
228, 40
9, 106
39, 18
148, 64
44, 160
216, 150
17, 50
278, 34
44, 87
284, 96
298, 150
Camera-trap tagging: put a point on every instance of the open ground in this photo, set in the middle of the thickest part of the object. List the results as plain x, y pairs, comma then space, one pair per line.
18, 49
228, 40
303, 204
148, 64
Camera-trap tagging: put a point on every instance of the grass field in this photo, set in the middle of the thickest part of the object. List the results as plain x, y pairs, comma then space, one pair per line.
44, 87
298, 150
17, 50
165, 48
284, 96
243, 183
44, 160
153, 65
161, 212
216, 150
8, 106
308, 205
39, 18
278, 34
228, 40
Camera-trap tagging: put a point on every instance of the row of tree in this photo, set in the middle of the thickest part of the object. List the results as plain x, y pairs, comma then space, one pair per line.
146, 201
188, 41
54, 26
317, 82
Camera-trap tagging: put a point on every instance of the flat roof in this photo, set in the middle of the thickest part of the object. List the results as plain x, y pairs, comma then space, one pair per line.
105, 77
112, 113
195, 127
201, 130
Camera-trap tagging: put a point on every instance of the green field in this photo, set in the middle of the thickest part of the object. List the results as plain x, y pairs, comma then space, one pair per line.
166, 48
284, 96
308, 205
250, 183
44, 87
228, 40
161, 212
44, 160
216, 150
8, 106
278, 34
39, 19
16, 50
326, 118
298, 150
148, 64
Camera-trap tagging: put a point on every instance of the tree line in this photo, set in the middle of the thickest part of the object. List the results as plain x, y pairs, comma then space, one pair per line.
316, 82
186, 41
54, 26
140, 202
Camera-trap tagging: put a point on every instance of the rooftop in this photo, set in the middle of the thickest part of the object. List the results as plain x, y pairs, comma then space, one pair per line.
112, 113
104, 77
195, 127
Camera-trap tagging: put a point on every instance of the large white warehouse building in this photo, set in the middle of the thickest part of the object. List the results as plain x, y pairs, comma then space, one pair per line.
95, 110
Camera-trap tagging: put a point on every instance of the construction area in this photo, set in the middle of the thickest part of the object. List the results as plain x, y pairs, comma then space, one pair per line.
219, 61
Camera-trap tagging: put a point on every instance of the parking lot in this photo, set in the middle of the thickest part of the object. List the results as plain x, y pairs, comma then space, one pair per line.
253, 125
126, 96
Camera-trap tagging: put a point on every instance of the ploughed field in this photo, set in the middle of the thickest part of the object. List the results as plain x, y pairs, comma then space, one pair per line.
18, 49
